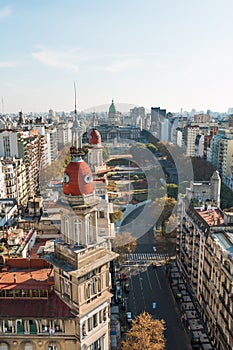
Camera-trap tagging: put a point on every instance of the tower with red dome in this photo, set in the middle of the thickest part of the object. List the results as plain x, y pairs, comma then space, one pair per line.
81, 259
95, 153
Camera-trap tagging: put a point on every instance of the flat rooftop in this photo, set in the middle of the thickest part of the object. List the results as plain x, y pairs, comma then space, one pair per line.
26, 274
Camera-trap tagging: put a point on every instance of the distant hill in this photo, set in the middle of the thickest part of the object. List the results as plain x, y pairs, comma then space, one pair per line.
121, 107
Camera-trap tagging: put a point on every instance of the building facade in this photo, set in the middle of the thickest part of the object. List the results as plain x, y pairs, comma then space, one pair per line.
204, 255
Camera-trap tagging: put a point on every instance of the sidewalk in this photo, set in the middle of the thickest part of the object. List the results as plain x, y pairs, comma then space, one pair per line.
189, 314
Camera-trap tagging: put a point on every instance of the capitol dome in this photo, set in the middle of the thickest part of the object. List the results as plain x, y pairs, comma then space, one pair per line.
112, 108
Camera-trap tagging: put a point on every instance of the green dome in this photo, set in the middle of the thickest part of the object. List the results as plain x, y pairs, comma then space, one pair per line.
112, 108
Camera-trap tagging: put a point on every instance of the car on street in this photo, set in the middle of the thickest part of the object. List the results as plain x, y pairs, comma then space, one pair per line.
154, 249
154, 264
129, 317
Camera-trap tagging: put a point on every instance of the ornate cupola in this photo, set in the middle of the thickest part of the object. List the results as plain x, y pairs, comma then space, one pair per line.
95, 153
78, 201
95, 138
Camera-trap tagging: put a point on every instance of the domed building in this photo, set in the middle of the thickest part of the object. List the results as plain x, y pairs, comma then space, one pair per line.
95, 153
81, 259
64, 299
112, 110
113, 115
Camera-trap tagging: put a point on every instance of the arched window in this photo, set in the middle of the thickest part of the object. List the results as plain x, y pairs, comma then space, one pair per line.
84, 329
4, 346
28, 346
53, 346
88, 290
99, 284
94, 286
77, 231
67, 230
89, 231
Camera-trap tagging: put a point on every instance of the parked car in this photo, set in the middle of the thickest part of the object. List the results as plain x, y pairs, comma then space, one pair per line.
123, 304
129, 317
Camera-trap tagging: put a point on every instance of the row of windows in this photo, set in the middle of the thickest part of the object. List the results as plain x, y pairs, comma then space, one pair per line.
21, 293
77, 231
30, 346
94, 321
30, 326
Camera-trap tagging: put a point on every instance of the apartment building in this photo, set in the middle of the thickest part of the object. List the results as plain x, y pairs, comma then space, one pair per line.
15, 179
31, 148
52, 142
225, 153
204, 255
63, 134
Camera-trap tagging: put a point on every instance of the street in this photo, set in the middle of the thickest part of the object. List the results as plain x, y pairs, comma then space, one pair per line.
150, 291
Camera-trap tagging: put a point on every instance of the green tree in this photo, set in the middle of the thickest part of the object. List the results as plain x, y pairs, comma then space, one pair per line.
172, 190
124, 243
56, 169
226, 197
152, 147
163, 208
145, 334
117, 215
106, 153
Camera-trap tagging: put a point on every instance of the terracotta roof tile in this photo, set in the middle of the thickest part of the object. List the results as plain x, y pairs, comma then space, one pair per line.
53, 307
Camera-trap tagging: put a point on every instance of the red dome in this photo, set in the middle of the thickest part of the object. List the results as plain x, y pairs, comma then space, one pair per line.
95, 138
78, 179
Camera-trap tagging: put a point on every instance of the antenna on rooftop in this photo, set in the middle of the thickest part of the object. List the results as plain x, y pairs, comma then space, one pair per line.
75, 106
2, 105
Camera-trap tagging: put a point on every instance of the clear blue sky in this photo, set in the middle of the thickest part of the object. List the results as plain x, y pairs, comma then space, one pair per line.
168, 53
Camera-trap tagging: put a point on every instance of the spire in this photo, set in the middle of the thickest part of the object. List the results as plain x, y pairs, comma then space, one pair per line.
76, 148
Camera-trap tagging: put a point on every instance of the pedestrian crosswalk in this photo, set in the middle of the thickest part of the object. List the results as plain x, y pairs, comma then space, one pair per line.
146, 256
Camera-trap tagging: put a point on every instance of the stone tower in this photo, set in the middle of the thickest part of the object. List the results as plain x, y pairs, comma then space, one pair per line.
95, 153
215, 184
82, 259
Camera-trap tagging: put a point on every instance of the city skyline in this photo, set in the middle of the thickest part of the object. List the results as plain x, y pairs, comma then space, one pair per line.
152, 53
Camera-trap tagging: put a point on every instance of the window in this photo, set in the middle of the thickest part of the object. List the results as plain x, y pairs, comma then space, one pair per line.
105, 314
95, 320
77, 231
28, 346
88, 290
93, 286
4, 346
66, 287
99, 284
67, 233
89, 231
90, 324
6, 146
84, 333
97, 345
53, 346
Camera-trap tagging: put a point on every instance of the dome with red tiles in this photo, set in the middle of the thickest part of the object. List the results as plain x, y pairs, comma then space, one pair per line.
77, 180
95, 138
